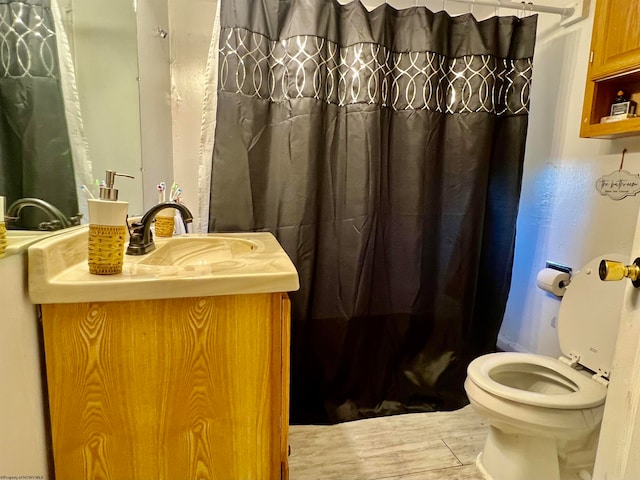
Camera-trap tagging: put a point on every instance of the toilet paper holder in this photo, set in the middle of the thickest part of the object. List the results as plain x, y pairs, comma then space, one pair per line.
610, 270
559, 266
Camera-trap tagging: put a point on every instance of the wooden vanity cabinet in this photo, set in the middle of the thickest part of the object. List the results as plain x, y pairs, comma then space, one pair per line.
169, 389
614, 64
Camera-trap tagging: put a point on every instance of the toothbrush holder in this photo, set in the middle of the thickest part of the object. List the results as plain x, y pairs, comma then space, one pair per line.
164, 225
107, 235
3, 238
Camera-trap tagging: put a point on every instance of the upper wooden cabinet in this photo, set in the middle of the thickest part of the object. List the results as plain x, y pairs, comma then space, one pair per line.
616, 38
614, 64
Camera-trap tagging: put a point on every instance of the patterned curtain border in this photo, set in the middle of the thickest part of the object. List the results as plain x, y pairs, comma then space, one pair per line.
27, 41
308, 66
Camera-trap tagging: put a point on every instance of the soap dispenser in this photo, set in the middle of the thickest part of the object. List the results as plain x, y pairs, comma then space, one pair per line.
3, 229
107, 228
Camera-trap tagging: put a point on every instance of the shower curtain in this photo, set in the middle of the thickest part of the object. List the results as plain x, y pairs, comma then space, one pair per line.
35, 151
384, 150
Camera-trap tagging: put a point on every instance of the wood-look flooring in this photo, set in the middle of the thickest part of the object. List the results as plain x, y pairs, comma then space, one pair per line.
419, 446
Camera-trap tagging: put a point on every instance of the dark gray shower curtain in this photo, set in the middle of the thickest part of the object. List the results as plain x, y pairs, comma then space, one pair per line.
35, 155
384, 150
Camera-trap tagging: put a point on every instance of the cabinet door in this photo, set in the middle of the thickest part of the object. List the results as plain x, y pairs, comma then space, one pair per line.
616, 38
167, 389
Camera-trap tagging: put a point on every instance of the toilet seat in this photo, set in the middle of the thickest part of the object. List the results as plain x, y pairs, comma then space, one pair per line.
573, 390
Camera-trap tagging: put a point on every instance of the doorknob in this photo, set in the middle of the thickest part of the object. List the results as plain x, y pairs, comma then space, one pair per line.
610, 270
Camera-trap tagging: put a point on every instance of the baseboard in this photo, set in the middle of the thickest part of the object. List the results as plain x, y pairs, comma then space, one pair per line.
506, 345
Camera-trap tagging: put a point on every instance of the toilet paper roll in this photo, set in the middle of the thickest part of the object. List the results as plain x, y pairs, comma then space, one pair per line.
553, 281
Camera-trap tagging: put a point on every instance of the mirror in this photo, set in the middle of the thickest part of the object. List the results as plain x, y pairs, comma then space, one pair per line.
97, 125
103, 45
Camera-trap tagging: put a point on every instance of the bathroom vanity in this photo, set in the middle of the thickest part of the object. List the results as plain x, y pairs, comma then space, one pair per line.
176, 368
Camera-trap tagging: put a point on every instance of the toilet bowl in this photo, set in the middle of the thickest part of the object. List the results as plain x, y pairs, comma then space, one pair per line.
545, 413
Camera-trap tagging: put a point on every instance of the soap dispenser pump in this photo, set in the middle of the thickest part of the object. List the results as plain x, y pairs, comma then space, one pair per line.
107, 228
108, 191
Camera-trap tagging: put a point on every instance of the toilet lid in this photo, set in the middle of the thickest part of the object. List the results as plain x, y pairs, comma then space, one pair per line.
589, 316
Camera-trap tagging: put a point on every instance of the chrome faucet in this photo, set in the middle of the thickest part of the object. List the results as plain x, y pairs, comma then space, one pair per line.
57, 218
141, 240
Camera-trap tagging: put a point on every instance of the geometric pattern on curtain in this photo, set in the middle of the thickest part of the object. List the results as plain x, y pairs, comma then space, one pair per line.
308, 66
27, 43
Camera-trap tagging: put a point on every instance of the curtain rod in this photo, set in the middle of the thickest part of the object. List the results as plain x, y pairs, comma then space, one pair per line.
526, 6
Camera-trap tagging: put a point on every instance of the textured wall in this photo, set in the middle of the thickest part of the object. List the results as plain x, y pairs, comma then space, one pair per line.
562, 217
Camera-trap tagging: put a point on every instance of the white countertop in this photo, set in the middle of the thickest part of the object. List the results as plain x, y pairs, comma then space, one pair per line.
20, 240
59, 273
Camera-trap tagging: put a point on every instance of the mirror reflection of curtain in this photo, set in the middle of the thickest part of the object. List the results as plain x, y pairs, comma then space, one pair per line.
35, 152
384, 150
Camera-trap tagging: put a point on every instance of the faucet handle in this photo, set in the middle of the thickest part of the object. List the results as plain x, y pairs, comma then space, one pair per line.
50, 226
76, 219
136, 231
137, 243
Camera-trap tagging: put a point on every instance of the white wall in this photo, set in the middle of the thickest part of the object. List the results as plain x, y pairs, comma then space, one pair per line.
23, 441
172, 71
190, 39
562, 217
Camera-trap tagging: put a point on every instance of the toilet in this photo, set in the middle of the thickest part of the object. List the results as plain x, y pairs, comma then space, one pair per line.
545, 413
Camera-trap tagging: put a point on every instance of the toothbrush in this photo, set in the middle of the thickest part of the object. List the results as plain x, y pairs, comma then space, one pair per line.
172, 193
176, 194
159, 187
164, 189
87, 191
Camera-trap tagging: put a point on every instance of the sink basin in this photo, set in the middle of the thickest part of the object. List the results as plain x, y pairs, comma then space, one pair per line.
200, 251
191, 265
